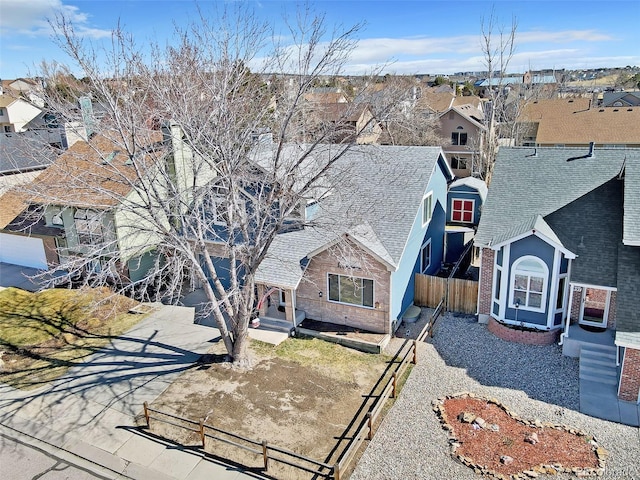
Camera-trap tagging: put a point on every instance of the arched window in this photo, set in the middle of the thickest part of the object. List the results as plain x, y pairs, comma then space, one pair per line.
529, 278
458, 137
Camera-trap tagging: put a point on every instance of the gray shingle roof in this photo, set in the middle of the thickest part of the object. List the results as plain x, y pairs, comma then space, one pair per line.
524, 185
380, 193
631, 223
19, 154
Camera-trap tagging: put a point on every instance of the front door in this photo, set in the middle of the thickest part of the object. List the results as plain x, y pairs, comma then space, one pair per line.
595, 307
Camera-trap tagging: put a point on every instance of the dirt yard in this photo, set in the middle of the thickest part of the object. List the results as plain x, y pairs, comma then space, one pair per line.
302, 396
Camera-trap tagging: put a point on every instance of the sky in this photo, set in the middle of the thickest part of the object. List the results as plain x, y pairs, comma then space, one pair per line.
407, 37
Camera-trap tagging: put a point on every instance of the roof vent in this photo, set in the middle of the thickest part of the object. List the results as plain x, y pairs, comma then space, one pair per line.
629, 109
591, 153
110, 157
601, 110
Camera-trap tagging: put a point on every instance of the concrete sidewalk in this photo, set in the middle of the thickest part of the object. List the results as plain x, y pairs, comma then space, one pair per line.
89, 414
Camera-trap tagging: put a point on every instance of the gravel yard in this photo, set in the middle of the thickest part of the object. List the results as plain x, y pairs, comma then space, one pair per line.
532, 381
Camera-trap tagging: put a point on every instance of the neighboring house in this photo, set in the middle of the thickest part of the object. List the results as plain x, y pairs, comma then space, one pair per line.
464, 125
464, 205
574, 122
347, 122
88, 195
560, 239
361, 272
620, 99
16, 113
18, 164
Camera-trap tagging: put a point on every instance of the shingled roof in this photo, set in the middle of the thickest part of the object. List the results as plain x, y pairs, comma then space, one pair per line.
576, 121
389, 180
527, 182
96, 174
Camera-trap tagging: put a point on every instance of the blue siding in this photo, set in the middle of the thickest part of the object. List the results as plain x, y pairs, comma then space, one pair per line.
455, 246
403, 279
463, 195
536, 247
222, 267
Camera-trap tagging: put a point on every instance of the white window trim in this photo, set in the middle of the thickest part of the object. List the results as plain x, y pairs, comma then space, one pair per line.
473, 208
424, 245
512, 280
352, 304
430, 215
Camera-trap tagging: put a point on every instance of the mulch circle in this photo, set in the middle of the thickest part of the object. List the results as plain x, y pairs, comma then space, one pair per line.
486, 436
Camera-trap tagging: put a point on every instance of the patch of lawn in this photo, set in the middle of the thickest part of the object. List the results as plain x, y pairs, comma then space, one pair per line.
43, 334
322, 355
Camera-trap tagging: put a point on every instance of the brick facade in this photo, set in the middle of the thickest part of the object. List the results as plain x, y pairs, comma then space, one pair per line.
320, 308
485, 289
575, 304
630, 376
522, 336
613, 304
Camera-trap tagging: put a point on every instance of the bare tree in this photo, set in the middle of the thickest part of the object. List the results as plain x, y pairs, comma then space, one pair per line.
498, 47
176, 182
404, 120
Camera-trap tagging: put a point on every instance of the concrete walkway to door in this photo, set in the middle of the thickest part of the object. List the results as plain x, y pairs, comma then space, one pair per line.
89, 413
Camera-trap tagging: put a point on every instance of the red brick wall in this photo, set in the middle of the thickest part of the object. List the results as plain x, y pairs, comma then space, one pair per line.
320, 308
522, 336
486, 281
630, 377
611, 319
575, 304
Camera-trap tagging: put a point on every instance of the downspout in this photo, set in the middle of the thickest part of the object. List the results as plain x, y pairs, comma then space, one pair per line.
565, 334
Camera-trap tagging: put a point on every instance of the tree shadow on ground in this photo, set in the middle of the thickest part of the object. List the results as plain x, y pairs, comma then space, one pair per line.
116, 378
542, 372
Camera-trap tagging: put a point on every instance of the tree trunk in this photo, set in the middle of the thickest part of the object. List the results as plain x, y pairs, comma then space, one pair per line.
241, 357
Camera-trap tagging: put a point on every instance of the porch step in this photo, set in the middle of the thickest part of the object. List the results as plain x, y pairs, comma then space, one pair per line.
412, 314
598, 364
274, 325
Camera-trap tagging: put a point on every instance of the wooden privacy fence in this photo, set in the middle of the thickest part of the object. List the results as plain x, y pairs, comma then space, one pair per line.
269, 452
460, 295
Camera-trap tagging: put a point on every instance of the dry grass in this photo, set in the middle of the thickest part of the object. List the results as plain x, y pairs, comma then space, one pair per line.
321, 355
43, 334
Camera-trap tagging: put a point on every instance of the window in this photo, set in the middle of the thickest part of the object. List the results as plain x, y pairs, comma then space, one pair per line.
7, 129
459, 163
351, 290
2, 112
562, 282
458, 138
427, 208
462, 210
56, 217
88, 227
425, 256
529, 284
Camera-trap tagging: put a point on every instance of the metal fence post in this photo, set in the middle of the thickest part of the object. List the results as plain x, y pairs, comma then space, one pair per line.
370, 424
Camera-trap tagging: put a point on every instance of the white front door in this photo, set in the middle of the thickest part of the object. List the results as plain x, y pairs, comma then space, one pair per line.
594, 309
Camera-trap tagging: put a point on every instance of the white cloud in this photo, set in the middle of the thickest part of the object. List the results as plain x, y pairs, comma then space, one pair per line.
30, 17
566, 36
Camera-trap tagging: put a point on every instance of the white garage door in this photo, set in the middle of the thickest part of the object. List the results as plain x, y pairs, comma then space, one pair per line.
25, 251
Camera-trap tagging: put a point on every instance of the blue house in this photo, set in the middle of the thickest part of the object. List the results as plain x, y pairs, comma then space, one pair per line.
464, 204
355, 261
560, 239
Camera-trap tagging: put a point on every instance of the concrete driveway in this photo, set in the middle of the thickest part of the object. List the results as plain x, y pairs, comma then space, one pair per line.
20, 277
91, 410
